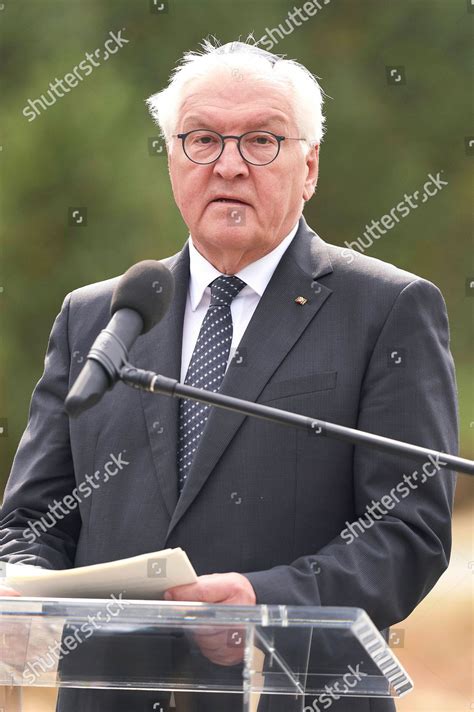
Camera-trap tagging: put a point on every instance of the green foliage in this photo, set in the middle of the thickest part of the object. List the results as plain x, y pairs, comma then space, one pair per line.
90, 149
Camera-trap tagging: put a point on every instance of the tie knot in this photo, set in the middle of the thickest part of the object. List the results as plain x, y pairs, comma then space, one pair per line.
224, 289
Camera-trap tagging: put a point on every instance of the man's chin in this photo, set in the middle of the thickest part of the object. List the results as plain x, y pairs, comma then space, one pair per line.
231, 214
223, 232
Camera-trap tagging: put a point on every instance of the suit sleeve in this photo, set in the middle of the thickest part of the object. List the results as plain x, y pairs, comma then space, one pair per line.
43, 472
387, 561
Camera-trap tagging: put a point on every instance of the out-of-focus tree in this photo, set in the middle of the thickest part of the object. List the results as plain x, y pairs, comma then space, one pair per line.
90, 149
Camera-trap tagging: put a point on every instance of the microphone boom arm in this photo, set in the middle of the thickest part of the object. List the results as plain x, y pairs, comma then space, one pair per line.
154, 383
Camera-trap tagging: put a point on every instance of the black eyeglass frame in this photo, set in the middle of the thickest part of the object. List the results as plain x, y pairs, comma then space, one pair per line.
183, 137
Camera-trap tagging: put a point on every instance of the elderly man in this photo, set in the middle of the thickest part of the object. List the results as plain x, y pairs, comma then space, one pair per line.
265, 310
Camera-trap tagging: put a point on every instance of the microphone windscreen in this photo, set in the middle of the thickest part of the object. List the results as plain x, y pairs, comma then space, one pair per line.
146, 287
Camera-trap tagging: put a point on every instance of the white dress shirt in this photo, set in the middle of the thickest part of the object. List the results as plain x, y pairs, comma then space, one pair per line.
256, 276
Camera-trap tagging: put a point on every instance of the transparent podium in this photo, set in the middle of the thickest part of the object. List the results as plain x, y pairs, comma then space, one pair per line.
265, 657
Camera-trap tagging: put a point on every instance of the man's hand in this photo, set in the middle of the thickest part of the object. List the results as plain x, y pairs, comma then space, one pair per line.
222, 646
233, 589
5, 591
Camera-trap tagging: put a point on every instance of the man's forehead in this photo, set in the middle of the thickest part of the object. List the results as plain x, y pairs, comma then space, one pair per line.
258, 119
259, 103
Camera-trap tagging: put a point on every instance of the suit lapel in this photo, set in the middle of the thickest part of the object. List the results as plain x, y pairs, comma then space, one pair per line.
275, 326
160, 350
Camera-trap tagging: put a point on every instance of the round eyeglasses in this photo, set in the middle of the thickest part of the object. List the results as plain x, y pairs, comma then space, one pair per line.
256, 147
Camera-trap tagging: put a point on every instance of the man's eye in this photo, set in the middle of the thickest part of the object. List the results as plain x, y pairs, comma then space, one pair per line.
261, 140
204, 140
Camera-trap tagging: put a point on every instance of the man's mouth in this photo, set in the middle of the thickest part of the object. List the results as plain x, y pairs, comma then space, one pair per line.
230, 201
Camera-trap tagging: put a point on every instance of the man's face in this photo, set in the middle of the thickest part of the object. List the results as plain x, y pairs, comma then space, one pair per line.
232, 235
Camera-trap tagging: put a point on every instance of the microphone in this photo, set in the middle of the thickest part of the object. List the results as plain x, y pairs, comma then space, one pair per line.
140, 300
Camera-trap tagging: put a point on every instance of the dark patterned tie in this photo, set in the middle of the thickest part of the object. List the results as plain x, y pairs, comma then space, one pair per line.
206, 368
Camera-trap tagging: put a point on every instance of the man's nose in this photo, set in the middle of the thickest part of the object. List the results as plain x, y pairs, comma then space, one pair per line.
230, 163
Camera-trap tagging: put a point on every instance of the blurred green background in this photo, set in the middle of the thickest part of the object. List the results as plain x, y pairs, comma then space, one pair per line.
90, 149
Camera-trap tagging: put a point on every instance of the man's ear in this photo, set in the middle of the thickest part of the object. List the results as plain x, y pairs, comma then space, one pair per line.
312, 167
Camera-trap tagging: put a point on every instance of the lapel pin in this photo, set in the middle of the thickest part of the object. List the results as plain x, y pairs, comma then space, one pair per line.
300, 300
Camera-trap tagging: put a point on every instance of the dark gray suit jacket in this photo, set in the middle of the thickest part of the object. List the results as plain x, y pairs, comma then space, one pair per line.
261, 499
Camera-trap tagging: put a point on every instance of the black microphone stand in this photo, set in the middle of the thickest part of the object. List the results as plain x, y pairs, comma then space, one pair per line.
154, 383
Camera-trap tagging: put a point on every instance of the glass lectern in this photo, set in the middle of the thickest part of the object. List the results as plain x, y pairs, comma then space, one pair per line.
269, 657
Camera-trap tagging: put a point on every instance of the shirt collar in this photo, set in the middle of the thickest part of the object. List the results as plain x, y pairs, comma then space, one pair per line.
256, 275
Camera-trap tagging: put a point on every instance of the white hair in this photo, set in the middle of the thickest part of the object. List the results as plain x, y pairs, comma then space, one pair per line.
241, 59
